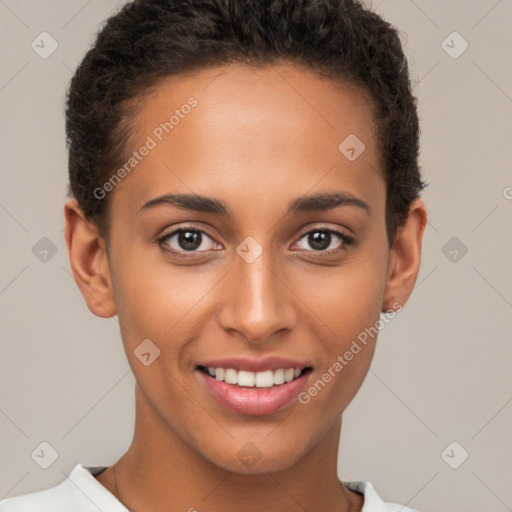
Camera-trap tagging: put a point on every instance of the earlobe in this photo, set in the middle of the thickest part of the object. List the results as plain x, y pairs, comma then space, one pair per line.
88, 260
405, 257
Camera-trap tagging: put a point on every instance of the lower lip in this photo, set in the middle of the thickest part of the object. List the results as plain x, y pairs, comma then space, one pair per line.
254, 401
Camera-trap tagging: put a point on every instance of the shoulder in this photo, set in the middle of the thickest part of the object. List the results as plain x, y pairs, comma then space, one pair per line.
58, 498
48, 499
372, 501
79, 492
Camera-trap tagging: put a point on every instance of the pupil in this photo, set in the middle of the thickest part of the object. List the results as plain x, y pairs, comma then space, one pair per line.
320, 240
189, 240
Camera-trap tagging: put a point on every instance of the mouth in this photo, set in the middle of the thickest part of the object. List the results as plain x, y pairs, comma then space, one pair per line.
254, 393
248, 379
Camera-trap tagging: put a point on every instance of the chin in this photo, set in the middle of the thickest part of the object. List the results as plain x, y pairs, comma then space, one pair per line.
256, 458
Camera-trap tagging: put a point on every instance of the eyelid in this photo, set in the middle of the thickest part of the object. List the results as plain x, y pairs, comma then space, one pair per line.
185, 227
314, 229
346, 240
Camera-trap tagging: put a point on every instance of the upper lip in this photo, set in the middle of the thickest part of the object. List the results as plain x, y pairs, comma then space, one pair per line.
255, 365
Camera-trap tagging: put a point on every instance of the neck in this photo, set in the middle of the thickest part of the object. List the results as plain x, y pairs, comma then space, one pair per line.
160, 471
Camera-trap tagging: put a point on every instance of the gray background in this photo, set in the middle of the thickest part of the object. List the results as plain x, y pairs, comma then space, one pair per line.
441, 371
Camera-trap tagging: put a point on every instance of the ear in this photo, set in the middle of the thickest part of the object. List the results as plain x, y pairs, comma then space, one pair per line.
405, 257
88, 259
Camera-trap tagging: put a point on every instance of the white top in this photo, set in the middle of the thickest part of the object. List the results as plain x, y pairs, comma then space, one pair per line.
81, 492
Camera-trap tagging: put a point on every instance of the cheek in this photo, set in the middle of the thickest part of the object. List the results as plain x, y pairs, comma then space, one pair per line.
347, 302
145, 291
347, 299
159, 302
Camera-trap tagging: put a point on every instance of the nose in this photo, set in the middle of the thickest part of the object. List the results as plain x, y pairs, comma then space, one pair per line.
256, 301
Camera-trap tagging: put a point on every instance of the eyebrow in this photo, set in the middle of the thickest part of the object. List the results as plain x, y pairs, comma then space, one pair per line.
316, 202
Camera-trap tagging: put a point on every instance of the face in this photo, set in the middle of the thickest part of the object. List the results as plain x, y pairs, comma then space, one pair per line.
276, 260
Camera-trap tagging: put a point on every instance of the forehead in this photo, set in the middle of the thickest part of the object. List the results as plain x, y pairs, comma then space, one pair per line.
241, 129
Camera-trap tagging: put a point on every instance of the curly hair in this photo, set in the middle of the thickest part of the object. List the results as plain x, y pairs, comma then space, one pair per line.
148, 40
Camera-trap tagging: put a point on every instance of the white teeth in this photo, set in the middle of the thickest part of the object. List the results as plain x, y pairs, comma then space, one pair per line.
264, 379
279, 377
288, 374
231, 376
245, 378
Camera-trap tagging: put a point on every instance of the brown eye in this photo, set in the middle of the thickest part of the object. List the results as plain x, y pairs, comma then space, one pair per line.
187, 240
325, 240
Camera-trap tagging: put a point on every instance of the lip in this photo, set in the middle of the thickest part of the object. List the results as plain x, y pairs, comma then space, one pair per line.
254, 401
256, 365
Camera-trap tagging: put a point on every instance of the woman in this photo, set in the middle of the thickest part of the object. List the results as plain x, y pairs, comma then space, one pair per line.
244, 196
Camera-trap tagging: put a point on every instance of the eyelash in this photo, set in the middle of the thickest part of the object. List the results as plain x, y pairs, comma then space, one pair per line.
347, 241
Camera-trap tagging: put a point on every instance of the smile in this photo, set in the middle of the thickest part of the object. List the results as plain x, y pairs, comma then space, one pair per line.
254, 387
264, 379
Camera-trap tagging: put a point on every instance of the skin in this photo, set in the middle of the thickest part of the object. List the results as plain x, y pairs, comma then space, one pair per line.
258, 139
